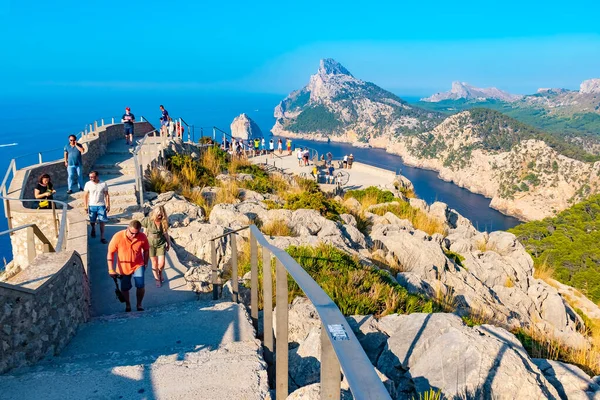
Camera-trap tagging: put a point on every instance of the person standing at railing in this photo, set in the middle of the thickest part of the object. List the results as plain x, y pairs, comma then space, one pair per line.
256, 146
128, 119
132, 249
345, 161
350, 161
96, 202
272, 147
44, 190
279, 145
164, 121
74, 163
263, 149
299, 155
288, 144
156, 227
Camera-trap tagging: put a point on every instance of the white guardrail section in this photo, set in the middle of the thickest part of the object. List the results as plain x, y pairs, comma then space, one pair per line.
339, 346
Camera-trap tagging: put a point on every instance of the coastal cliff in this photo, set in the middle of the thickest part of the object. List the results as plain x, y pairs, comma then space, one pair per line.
527, 173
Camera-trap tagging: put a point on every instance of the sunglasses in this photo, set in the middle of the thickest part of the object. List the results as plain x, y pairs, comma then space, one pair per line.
159, 216
71, 140
131, 233
93, 177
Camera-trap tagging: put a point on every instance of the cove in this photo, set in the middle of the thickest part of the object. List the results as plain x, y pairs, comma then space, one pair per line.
428, 186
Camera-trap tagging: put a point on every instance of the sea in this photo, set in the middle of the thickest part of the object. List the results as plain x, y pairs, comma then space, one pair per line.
42, 122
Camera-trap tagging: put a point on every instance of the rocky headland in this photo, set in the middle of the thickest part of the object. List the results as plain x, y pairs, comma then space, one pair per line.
464, 91
527, 173
243, 127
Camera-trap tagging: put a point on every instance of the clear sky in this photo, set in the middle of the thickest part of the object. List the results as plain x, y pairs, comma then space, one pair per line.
413, 47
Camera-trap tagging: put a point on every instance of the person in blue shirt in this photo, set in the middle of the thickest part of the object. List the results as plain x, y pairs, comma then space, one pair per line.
128, 120
164, 120
74, 163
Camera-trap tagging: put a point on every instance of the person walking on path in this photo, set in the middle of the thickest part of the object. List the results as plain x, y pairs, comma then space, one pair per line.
288, 144
329, 158
132, 250
156, 227
330, 171
128, 119
305, 155
279, 146
96, 202
299, 155
164, 121
74, 163
44, 190
350, 161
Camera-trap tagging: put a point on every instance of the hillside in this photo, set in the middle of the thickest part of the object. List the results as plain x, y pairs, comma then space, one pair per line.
527, 173
337, 105
569, 244
464, 91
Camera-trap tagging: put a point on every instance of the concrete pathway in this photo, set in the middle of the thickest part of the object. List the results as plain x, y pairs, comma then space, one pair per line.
361, 175
191, 350
178, 348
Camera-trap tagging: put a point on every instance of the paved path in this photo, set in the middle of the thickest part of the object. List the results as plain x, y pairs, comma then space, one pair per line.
361, 175
179, 348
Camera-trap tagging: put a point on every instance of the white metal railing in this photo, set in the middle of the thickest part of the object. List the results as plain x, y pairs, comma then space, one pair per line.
339, 346
153, 148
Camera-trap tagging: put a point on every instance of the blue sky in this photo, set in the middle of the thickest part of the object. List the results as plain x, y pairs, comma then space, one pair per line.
272, 47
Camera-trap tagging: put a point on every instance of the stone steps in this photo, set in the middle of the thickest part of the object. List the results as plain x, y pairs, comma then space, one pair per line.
141, 355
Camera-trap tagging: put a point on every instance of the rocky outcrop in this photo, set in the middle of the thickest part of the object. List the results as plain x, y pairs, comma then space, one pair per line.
462, 90
570, 381
243, 127
347, 109
590, 86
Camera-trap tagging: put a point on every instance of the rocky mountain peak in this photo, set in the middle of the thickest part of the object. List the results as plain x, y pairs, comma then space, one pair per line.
462, 90
590, 86
329, 66
243, 127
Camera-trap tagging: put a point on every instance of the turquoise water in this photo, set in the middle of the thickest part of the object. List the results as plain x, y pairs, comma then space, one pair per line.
44, 122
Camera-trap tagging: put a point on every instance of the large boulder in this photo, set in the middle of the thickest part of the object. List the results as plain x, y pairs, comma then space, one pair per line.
243, 127
439, 351
569, 380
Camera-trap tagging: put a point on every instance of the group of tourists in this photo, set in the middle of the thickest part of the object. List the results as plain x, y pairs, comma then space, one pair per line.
303, 155
130, 249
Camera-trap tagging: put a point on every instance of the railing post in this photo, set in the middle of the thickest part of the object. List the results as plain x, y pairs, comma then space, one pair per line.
112, 120
234, 269
95, 125
281, 319
30, 244
40, 157
267, 306
7, 213
254, 280
213, 259
102, 121
330, 368
215, 138
141, 186
54, 218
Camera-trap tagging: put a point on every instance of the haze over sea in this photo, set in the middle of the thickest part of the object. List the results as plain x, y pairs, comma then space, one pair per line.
43, 122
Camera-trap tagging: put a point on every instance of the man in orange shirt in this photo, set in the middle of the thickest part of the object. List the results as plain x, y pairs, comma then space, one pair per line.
132, 250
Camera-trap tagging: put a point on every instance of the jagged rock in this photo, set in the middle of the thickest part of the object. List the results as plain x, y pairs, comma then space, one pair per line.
193, 243
418, 204
313, 392
250, 195
180, 211
372, 340
438, 350
304, 360
356, 237
462, 90
199, 279
590, 86
229, 216
302, 318
569, 380
243, 127
352, 204
348, 219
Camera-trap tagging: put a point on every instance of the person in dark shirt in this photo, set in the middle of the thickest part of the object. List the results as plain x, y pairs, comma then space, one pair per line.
128, 120
164, 120
44, 190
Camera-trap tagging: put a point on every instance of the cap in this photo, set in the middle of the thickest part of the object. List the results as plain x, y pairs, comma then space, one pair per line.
127, 109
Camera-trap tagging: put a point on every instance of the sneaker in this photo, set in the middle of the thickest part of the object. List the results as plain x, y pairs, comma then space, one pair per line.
93, 234
69, 191
103, 241
80, 189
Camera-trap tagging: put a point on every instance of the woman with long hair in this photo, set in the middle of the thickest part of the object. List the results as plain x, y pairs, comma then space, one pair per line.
44, 190
156, 227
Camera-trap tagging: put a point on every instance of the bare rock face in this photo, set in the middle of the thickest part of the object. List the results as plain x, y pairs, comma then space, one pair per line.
569, 380
243, 127
590, 86
462, 90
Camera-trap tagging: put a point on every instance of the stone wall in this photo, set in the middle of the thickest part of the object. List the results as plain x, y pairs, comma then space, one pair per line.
42, 310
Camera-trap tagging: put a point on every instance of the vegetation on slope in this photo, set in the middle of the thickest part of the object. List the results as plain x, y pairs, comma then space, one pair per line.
316, 118
570, 244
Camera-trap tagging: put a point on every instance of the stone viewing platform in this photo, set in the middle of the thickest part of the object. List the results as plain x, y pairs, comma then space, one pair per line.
361, 175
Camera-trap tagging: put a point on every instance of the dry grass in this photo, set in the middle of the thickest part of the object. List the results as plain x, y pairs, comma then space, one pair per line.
509, 283
195, 197
419, 219
282, 187
444, 299
228, 193
159, 182
370, 199
211, 161
277, 227
543, 271
484, 245
236, 163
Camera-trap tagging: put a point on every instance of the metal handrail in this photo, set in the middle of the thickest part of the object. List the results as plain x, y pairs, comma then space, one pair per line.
139, 173
339, 345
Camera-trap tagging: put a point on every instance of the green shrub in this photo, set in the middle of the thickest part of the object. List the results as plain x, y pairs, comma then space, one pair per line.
328, 208
457, 258
381, 196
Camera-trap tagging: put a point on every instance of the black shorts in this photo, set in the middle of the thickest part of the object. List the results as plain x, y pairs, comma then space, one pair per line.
128, 130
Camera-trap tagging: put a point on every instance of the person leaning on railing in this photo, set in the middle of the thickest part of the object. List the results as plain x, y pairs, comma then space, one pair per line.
44, 190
